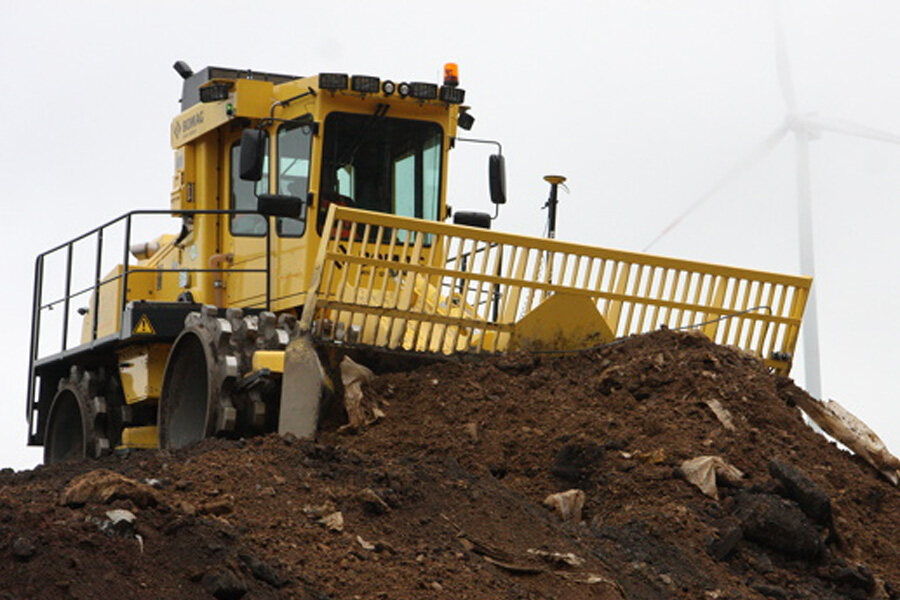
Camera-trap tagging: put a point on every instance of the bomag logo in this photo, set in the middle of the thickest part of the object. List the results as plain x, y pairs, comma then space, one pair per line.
186, 124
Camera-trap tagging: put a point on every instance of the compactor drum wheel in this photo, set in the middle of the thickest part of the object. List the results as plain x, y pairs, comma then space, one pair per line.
208, 388
188, 389
75, 422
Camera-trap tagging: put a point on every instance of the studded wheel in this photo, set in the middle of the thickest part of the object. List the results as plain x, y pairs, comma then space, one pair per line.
75, 426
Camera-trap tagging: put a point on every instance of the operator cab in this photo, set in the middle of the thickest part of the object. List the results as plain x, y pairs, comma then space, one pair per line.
355, 142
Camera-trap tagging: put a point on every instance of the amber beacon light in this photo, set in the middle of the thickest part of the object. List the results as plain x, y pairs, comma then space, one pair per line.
451, 74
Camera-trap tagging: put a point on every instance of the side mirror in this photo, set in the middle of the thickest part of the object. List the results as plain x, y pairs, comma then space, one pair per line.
278, 205
253, 152
497, 178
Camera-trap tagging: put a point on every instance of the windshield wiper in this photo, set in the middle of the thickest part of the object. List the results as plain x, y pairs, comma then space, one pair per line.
378, 115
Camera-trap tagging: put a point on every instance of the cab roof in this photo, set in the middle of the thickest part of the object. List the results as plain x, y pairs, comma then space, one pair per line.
190, 94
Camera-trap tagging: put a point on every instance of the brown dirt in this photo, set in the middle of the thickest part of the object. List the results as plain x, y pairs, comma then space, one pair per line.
443, 497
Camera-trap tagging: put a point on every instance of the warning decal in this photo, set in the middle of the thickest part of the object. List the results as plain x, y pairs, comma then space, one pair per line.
143, 327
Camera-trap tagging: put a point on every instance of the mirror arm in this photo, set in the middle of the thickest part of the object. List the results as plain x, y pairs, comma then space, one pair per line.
481, 141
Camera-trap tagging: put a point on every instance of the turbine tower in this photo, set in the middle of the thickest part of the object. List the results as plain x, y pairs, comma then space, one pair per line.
805, 127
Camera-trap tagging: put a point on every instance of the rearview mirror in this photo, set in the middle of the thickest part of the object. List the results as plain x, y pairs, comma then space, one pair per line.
497, 178
253, 152
279, 205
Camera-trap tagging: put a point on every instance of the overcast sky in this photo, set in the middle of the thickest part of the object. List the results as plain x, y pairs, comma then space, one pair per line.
641, 104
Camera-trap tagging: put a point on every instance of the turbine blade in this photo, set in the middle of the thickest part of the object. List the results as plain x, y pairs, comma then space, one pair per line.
850, 128
783, 63
750, 159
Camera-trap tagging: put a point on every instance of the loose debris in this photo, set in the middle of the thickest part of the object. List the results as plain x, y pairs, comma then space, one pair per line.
557, 559
721, 413
333, 521
360, 413
845, 427
102, 486
568, 504
705, 471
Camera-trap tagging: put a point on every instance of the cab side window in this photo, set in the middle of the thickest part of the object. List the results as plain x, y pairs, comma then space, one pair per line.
293, 172
244, 198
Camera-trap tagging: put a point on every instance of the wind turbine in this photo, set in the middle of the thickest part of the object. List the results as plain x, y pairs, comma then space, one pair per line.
805, 127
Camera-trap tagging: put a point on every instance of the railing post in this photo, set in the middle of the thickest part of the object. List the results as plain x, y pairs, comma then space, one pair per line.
717, 302
96, 314
496, 291
615, 307
268, 263
35, 335
124, 295
66, 297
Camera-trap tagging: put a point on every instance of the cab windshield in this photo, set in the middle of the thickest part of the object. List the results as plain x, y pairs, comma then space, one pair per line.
383, 164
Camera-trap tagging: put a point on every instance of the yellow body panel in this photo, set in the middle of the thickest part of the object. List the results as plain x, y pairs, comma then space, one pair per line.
273, 360
141, 370
183, 181
561, 322
108, 318
146, 437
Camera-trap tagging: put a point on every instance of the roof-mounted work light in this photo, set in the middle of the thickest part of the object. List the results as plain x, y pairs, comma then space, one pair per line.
465, 119
214, 92
452, 94
423, 91
388, 87
365, 84
333, 81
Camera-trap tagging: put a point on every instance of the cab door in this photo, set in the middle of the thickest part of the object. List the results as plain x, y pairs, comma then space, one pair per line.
292, 252
286, 170
244, 235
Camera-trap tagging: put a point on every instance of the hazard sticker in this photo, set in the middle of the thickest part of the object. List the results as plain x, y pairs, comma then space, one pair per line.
143, 327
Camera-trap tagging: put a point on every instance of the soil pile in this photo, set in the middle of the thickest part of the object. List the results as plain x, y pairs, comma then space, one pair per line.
444, 495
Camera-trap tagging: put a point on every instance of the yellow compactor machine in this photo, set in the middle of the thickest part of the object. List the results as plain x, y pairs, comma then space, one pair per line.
314, 224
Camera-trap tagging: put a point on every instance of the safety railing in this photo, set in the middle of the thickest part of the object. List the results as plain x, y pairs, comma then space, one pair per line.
102, 253
420, 285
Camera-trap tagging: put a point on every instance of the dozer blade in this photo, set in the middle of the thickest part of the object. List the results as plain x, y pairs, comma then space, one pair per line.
302, 385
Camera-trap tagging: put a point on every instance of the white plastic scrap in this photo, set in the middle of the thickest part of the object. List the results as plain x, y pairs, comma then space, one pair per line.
568, 559
118, 515
721, 413
333, 522
703, 470
568, 504
353, 376
364, 544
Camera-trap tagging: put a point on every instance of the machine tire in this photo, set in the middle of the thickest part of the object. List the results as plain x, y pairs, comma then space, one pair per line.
65, 439
205, 391
75, 422
190, 391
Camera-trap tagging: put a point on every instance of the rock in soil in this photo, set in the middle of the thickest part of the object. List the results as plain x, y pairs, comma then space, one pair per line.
23, 549
801, 489
779, 524
224, 584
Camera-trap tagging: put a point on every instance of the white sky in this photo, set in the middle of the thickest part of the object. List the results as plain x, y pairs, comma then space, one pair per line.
641, 104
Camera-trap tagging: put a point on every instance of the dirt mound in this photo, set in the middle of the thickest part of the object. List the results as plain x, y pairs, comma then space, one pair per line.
444, 496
